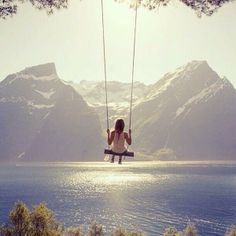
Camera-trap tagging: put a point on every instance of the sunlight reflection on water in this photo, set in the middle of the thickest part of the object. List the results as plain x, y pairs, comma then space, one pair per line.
144, 195
109, 178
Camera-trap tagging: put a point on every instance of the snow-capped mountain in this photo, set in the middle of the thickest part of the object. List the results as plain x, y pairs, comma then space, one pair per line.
188, 114
118, 97
41, 118
191, 113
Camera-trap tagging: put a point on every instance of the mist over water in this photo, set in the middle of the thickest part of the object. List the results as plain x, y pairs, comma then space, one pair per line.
145, 195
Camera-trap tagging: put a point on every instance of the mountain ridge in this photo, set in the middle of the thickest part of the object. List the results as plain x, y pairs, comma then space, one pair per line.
159, 115
188, 114
39, 115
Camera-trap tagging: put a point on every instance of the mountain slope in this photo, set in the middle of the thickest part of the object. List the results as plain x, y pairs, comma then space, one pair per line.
41, 118
118, 95
188, 114
191, 112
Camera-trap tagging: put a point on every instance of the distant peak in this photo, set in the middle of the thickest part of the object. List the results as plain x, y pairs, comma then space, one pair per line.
197, 67
196, 64
41, 70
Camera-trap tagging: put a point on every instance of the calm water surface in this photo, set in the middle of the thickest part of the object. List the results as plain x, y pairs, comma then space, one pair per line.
149, 196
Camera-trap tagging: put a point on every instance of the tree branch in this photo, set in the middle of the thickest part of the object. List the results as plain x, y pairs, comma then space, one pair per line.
206, 7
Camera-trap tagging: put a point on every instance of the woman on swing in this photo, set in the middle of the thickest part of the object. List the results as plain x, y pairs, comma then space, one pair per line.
117, 138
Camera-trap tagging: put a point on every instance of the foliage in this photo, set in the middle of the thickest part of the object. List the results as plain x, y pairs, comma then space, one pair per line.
9, 7
231, 231
124, 232
38, 222
43, 222
171, 231
207, 7
165, 154
190, 230
19, 221
95, 230
73, 231
5, 231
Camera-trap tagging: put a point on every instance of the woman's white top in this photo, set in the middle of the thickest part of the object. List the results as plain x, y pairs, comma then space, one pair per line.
118, 144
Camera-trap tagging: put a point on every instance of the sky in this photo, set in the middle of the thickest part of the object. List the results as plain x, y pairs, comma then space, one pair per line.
72, 38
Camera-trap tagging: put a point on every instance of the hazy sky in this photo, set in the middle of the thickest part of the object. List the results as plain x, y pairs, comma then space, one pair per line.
72, 38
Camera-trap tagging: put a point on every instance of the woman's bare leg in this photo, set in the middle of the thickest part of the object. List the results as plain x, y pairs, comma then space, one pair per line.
112, 158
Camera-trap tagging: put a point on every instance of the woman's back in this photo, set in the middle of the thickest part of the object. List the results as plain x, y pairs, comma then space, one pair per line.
118, 144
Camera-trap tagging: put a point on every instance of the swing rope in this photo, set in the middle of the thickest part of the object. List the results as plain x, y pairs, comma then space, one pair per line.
104, 63
133, 64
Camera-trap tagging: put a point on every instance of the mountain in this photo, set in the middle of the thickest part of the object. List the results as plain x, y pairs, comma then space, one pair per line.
118, 96
42, 118
190, 114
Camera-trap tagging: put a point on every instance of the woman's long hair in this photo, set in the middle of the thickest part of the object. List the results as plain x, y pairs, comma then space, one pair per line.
119, 126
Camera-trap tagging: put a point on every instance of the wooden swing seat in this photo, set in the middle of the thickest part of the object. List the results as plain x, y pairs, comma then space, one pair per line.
125, 153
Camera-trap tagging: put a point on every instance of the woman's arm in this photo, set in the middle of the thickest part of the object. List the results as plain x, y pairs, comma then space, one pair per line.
110, 136
128, 137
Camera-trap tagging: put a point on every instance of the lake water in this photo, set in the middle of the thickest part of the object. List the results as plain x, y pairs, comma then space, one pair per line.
148, 196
